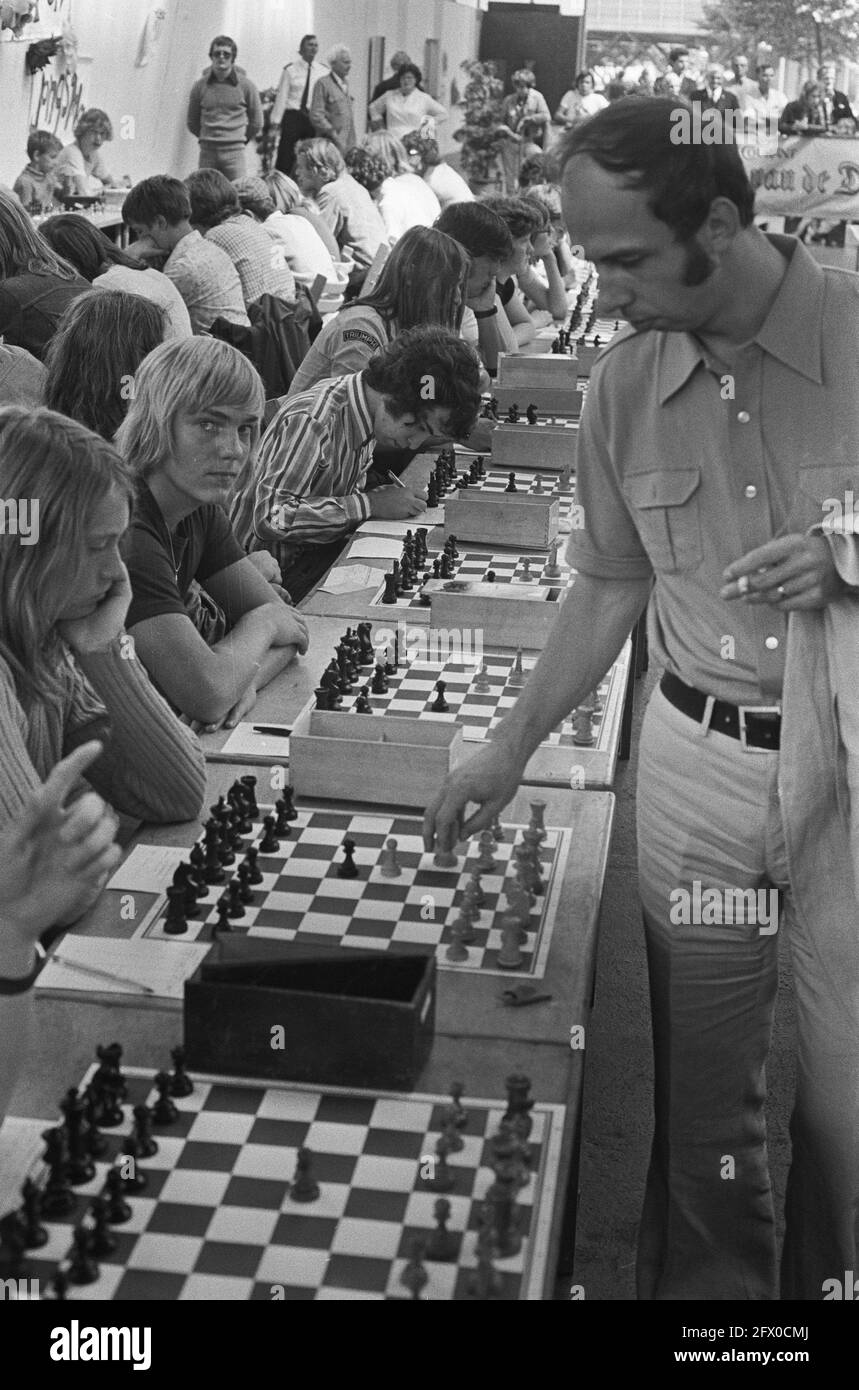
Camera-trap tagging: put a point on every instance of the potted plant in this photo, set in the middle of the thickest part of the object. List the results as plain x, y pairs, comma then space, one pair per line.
479, 136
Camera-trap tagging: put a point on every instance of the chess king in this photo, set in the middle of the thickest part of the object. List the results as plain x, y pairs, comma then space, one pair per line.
706, 507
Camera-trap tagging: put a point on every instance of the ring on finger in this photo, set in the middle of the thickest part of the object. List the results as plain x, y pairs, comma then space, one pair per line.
743, 584
781, 591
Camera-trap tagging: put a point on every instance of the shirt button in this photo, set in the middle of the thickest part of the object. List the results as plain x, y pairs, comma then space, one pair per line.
743, 416
750, 490
771, 643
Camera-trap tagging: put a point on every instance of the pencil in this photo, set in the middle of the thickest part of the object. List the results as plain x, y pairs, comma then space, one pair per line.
394, 479
101, 974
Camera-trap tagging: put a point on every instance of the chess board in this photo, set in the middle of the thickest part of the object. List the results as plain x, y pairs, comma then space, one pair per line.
507, 567
412, 692
549, 485
216, 1220
302, 898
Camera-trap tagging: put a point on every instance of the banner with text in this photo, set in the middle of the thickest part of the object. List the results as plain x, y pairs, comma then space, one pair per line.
806, 177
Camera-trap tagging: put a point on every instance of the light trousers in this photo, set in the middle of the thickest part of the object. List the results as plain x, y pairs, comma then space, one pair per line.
709, 812
230, 159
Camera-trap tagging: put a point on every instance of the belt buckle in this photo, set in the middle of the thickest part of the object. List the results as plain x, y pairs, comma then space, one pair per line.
743, 711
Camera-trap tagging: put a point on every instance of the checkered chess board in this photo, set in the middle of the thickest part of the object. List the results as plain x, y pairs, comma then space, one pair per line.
505, 566
534, 484
412, 692
216, 1219
302, 898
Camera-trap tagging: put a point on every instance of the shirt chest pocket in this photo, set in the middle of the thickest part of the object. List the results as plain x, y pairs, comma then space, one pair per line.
666, 507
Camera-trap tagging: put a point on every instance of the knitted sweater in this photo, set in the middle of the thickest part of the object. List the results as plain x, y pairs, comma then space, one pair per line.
152, 766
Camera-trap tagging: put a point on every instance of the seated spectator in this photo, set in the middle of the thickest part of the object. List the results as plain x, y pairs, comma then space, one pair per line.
36, 285
67, 673
424, 158
289, 199
107, 267
22, 377
489, 244
579, 102
218, 214
346, 207
81, 167
303, 486
524, 220
406, 107
806, 115
305, 252
158, 210
668, 84
207, 626
532, 170
404, 199
548, 195
100, 342
303, 249
422, 282
38, 185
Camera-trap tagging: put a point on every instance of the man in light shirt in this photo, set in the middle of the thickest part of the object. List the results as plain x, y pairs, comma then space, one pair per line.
291, 111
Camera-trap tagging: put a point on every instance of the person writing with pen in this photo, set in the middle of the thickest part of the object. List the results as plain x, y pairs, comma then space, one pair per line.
300, 495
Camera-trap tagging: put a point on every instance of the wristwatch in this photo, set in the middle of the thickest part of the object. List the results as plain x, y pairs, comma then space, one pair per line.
486, 313
25, 982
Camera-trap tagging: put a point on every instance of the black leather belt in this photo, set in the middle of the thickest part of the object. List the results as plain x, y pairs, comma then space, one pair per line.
758, 727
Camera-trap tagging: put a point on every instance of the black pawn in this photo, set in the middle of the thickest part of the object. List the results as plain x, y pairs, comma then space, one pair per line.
362, 704
83, 1268
254, 871
249, 783
511, 483
103, 1239
269, 844
164, 1112
135, 1180
147, 1147
246, 893
304, 1186
348, 869
439, 704
34, 1232
281, 824
175, 920
118, 1210
180, 1082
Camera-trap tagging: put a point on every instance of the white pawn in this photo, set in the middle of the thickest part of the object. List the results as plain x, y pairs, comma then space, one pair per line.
517, 676
481, 682
553, 569
538, 488
388, 866
486, 863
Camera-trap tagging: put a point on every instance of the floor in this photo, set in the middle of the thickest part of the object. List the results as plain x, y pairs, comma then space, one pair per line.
616, 1125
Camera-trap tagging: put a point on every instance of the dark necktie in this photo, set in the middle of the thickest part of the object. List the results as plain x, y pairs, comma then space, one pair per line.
306, 91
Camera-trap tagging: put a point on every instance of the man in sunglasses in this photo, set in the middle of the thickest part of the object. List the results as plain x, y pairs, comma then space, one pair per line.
224, 111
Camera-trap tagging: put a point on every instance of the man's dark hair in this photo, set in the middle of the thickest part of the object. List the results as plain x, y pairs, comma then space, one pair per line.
634, 137
477, 228
224, 41
424, 368
677, 53
304, 39
159, 196
213, 198
520, 218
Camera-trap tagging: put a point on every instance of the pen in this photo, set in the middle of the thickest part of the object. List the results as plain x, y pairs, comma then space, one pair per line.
102, 974
270, 729
394, 479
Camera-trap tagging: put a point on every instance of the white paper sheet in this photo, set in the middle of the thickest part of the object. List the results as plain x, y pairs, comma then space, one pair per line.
244, 742
141, 966
377, 547
148, 869
348, 579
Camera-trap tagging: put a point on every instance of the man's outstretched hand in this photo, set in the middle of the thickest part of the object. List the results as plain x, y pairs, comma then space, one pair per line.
490, 779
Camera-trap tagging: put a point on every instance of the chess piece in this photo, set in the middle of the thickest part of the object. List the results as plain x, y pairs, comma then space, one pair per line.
304, 1187
486, 863
443, 1244
457, 950
34, 1233
269, 844
510, 953
511, 483
583, 734
348, 868
414, 1276
147, 1147
254, 872
103, 1241
481, 680
553, 569
439, 704
389, 866
517, 675
83, 1268
118, 1210
164, 1112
